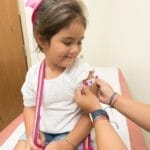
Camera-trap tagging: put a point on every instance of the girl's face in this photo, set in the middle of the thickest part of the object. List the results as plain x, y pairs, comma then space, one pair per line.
64, 46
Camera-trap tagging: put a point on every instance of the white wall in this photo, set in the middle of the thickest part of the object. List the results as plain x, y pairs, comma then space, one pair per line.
130, 44
118, 35
97, 37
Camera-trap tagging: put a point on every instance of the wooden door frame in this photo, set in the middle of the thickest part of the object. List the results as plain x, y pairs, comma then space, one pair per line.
21, 10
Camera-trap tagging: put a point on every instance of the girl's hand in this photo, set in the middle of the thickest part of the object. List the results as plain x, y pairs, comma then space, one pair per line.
105, 91
59, 145
32, 145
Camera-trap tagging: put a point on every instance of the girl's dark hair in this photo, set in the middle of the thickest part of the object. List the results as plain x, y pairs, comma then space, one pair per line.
53, 15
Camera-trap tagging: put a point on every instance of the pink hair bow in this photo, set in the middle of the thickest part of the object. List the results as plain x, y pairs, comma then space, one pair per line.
34, 4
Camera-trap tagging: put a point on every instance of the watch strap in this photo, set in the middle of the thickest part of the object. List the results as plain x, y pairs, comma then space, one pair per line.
98, 113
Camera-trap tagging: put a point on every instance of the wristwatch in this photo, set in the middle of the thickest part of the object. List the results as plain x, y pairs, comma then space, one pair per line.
97, 114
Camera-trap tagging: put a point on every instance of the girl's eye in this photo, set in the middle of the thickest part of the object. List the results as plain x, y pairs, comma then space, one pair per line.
67, 43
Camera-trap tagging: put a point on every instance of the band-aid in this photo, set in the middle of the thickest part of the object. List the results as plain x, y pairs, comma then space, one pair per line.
89, 82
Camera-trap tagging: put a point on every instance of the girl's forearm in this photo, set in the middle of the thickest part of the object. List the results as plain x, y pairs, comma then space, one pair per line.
28, 115
81, 130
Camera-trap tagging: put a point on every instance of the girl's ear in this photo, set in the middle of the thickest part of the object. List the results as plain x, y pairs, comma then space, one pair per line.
41, 42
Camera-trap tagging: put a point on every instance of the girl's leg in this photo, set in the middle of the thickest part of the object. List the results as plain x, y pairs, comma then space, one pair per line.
21, 145
58, 137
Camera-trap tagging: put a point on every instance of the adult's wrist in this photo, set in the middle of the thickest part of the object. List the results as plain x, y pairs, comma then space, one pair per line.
113, 99
100, 120
98, 114
117, 101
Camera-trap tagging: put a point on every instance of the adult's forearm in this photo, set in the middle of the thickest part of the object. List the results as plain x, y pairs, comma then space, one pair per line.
106, 137
134, 110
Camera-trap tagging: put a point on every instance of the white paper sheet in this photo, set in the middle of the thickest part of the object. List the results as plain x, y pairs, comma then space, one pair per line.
12, 140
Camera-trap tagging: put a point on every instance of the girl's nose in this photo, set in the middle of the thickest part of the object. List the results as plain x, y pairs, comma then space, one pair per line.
75, 49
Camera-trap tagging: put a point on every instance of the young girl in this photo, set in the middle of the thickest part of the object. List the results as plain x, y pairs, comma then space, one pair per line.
59, 27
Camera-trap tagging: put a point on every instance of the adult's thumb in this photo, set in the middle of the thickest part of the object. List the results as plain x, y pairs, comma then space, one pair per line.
86, 89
